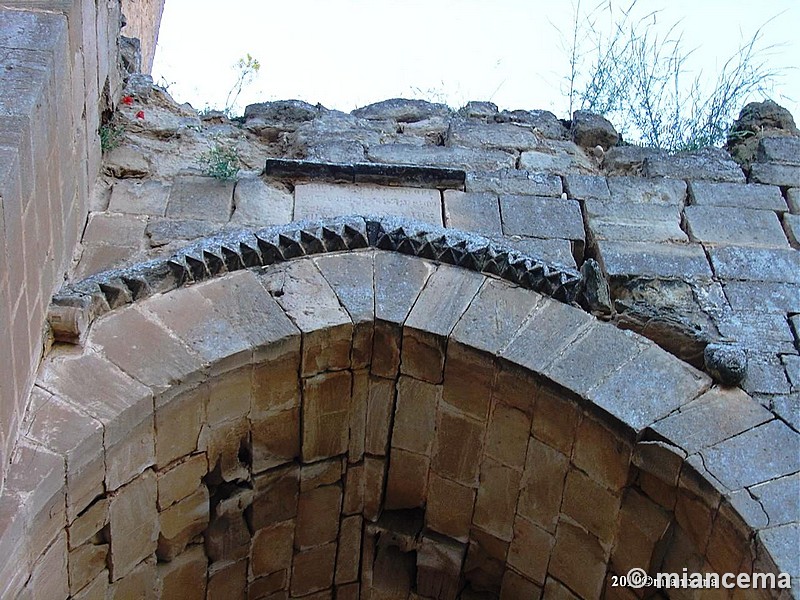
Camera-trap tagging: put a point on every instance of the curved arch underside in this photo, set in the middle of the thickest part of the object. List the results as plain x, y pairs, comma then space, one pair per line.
376, 423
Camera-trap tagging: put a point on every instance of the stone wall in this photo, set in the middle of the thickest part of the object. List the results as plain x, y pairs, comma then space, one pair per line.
143, 18
59, 73
365, 424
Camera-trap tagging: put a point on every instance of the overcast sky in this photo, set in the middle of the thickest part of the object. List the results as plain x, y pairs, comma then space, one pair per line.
348, 53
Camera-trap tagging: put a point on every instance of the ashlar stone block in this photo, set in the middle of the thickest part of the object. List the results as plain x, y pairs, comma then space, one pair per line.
326, 415
134, 524
272, 549
314, 308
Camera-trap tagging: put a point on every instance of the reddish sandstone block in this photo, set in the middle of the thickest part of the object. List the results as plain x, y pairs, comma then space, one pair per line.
275, 439
380, 406
542, 485
407, 482
415, 415
326, 416
497, 499
227, 581
272, 549
276, 494
468, 379
318, 513
449, 507
348, 560
133, 524
181, 522
530, 550
507, 436
184, 578
312, 570
458, 448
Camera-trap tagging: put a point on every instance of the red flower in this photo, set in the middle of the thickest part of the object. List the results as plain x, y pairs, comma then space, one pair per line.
127, 100
140, 115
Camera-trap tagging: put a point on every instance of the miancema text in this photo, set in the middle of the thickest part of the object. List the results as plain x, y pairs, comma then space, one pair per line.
639, 578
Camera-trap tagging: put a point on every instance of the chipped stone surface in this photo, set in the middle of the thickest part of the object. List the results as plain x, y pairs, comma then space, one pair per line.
740, 226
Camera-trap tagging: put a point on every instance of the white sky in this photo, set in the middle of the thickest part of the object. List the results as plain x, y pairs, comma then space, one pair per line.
348, 53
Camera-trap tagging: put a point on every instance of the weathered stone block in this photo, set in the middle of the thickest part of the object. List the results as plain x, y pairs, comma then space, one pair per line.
497, 499
514, 181
312, 570
791, 225
555, 420
134, 524
121, 230
85, 563
639, 382
181, 480
358, 416
776, 174
537, 216
479, 329
756, 455
326, 472
257, 203
310, 302
458, 447
275, 439
449, 507
185, 576
462, 158
272, 549
318, 516
316, 200
89, 524
737, 195
374, 478
548, 330
415, 415
276, 386
741, 226
206, 198
181, 522
642, 523
228, 580
586, 187
530, 550
227, 538
326, 417
622, 221
601, 454
575, 546
507, 436
713, 164
474, 212
380, 406
647, 191
224, 445
485, 562
67, 431
556, 157
139, 197
348, 560
511, 137
756, 264
673, 261
468, 379
353, 502
599, 515
407, 480
542, 485
439, 567
178, 426
516, 586
276, 494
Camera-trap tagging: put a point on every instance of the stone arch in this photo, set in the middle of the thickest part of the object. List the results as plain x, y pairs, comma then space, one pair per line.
373, 422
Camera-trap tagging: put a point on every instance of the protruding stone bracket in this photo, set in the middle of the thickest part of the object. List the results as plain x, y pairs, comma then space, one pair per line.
242, 249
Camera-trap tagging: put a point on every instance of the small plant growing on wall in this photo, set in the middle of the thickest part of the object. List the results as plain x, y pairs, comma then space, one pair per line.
221, 161
110, 136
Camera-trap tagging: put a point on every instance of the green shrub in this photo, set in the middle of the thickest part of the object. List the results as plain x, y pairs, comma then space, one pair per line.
110, 136
221, 161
